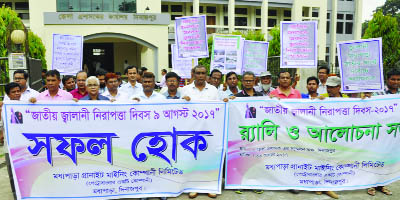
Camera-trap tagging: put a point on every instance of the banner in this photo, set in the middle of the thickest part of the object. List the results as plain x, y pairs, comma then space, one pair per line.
191, 37
299, 44
182, 66
361, 65
226, 54
329, 145
98, 150
255, 56
67, 53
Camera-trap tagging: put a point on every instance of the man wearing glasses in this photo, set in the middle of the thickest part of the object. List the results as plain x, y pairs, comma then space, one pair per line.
172, 80
248, 82
21, 77
200, 89
112, 85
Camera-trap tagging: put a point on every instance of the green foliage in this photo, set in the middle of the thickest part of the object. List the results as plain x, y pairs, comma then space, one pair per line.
387, 28
275, 44
250, 35
36, 48
206, 61
391, 7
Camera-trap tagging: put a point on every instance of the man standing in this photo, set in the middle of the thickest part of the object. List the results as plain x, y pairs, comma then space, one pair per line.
148, 94
323, 72
21, 77
53, 92
216, 78
232, 88
68, 83
93, 87
333, 86
101, 75
163, 79
80, 92
132, 86
312, 87
392, 83
285, 90
200, 90
172, 80
112, 92
248, 82
266, 83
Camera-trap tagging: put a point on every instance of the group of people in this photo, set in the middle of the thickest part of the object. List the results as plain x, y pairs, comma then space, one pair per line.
141, 87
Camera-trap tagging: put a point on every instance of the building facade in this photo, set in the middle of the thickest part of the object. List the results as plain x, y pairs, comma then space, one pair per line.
141, 31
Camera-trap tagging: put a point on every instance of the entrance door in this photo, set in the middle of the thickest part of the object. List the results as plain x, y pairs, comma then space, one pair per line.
211, 20
98, 55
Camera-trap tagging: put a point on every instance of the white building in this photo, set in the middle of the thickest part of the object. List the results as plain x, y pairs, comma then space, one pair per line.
140, 31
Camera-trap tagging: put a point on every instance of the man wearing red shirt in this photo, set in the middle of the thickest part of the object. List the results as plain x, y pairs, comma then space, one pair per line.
285, 90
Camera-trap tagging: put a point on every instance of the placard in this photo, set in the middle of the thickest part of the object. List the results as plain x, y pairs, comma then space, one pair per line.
226, 53
255, 56
67, 53
182, 66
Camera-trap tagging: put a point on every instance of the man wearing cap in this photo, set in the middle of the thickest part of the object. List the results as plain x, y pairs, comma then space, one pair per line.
266, 84
333, 86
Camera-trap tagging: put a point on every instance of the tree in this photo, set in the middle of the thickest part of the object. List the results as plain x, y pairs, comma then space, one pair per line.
9, 20
391, 7
387, 28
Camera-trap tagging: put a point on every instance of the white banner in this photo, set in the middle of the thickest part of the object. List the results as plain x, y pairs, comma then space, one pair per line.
329, 145
98, 150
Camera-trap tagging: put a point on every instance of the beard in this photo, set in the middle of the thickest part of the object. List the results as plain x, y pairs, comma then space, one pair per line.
266, 87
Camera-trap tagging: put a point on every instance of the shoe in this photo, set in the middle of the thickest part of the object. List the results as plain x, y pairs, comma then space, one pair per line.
318, 192
294, 191
332, 194
163, 198
238, 192
193, 195
371, 191
384, 190
258, 191
212, 195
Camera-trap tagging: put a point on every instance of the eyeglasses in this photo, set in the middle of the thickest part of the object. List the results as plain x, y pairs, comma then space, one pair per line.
18, 79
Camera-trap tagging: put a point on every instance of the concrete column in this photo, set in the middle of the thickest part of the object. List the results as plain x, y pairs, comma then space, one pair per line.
358, 19
252, 16
264, 19
332, 50
297, 10
196, 7
187, 9
231, 16
220, 15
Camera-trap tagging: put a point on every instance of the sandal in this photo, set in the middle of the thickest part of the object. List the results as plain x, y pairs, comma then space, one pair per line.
238, 192
371, 191
258, 191
384, 190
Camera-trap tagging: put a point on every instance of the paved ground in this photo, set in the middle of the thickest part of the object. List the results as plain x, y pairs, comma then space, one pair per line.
5, 192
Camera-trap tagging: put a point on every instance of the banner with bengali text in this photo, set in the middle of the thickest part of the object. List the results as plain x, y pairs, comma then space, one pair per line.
320, 145
102, 150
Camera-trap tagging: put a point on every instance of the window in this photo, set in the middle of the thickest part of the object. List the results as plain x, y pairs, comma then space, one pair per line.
258, 22
98, 52
242, 11
211, 9
240, 21
21, 6
327, 50
124, 6
328, 16
200, 9
176, 8
23, 15
272, 13
339, 27
287, 13
349, 17
164, 8
225, 21
258, 12
340, 16
349, 28
327, 58
315, 14
328, 27
6, 4
271, 22
175, 16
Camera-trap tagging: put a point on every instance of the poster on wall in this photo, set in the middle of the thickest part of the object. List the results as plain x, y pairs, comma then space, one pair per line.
361, 65
182, 66
299, 44
226, 54
255, 56
67, 53
191, 37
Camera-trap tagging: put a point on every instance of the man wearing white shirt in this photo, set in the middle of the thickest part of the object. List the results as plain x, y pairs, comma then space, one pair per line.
112, 85
148, 94
200, 89
21, 77
323, 72
132, 86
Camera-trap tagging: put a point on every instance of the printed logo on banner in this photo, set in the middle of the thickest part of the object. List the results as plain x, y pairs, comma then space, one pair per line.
251, 112
16, 117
